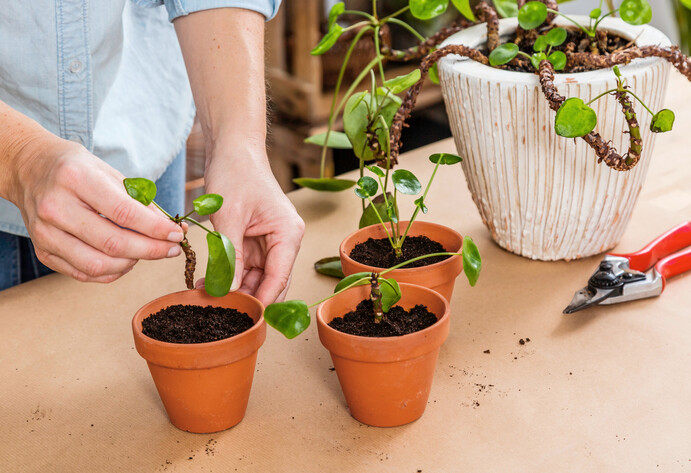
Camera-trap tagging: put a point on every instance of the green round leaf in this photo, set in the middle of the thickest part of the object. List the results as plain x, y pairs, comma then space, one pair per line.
326, 184
207, 204
330, 266
356, 116
348, 280
662, 121
376, 170
574, 118
540, 44
506, 8
140, 189
390, 293
401, 83
336, 11
328, 40
367, 187
532, 15
428, 9
466, 10
558, 60
537, 58
617, 72
220, 268
635, 12
595, 13
472, 262
503, 54
291, 318
337, 139
421, 204
406, 182
445, 158
391, 212
433, 73
556, 36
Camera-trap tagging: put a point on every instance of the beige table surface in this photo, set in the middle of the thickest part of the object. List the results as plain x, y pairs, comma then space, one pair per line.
607, 389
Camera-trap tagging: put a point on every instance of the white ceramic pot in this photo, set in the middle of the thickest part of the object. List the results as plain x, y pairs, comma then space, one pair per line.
540, 195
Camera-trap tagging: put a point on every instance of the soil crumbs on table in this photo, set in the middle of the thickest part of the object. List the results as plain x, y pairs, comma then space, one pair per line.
195, 324
397, 322
378, 253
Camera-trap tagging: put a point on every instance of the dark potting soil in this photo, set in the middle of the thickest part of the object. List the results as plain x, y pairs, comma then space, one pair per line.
379, 253
195, 324
576, 41
397, 322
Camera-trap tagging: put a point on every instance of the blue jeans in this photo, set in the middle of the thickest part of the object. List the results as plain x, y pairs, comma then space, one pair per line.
17, 255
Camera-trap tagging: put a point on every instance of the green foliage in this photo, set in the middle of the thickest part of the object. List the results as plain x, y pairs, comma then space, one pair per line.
595, 13
367, 187
207, 204
337, 139
635, 12
506, 8
406, 182
324, 183
472, 262
359, 117
463, 6
369, 215
433, 73
427, 9
362, 279
420, 203
390, 293
558, 60
503, 54
662, 121
376, 170
336, 11
540, 44
537, 58
220, 268
140, 189
401, 83
556, 36
330, 266
291, 318
574, 118
445, 158
329, 39
532, 15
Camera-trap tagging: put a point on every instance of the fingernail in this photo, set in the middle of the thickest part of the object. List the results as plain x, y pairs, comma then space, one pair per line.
174, 251
236, 284
175, 237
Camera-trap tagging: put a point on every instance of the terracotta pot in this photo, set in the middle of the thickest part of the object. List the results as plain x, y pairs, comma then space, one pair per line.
438, 276
541, 195
204, 386
386, 381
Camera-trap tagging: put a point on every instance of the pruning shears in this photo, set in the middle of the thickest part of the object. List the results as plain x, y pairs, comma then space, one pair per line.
632, 276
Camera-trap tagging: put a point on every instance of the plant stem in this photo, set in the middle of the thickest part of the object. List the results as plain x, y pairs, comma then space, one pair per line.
375, 297
424, 196
394, 14
602, 94
612, 12
161, 209
353, 284
639, 100
379, 55
585, 30
198, 224
376, 212
417, 258
409, 28
360, 13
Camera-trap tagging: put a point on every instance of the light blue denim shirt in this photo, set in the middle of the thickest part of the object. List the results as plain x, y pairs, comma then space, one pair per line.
105, 73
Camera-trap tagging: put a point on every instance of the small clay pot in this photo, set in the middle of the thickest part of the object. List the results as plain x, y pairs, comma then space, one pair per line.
204, 386
440, 277
386, 381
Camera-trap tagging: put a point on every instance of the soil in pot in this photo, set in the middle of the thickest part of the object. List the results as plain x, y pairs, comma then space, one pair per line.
378, 252
576, 41
182, 323
396, 322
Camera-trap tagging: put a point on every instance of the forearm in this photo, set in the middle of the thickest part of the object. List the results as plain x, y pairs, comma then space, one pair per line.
224, 54
19, 136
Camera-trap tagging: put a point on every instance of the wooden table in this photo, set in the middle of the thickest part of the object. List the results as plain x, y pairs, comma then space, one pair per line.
607, 389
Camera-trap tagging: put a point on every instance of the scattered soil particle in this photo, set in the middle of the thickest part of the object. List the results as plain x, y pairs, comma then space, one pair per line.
378, 253
195, 324
332, 369
397, 322
486, 351
523, 341
210, 447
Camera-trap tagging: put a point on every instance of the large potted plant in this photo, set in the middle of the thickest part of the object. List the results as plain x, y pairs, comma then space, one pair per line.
539, 194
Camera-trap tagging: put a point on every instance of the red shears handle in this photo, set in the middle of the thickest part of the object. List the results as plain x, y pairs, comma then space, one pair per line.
664, 254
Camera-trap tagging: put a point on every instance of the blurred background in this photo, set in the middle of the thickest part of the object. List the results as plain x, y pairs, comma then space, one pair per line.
300, 86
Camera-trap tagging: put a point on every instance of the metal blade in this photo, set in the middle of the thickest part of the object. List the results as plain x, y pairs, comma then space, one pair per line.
587, 297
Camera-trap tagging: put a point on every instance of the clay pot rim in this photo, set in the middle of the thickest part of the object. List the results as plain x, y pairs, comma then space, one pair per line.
143, 312
404, 223
382, 341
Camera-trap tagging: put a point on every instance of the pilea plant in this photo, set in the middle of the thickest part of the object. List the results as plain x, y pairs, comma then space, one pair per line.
291, 318
220, 268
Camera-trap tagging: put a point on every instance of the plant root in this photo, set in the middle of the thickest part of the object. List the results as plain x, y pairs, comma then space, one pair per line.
408, 104
190, 263
489, 16
424, 47
672, 55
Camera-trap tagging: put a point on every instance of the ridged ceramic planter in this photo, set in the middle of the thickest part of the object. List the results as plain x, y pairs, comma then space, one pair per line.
540, 195
386, 381
440, 277
204, 387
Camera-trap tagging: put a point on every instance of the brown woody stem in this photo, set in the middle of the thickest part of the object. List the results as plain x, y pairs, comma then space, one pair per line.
375, 296
489, 16
672, 54
423, 48
190, 263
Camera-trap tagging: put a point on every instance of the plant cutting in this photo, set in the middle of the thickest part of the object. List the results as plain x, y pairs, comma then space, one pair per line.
541, 196
201, 344
384, 339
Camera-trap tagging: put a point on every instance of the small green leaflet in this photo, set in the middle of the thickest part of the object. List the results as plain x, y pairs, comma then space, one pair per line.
140, 189
324, 184
574, 118
291, 318
207, 204
472, 262
337, 139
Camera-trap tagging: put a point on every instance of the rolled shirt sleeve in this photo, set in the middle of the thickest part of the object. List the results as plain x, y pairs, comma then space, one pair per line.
177, 8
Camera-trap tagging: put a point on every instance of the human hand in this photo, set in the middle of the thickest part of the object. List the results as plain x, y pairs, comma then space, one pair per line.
60, 189
260, 221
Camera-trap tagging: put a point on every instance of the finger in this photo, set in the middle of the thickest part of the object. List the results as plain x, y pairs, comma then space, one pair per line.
105, 236
114, 203
58, 264
279, 263
200, 283
236, 236
53, 241
251, 280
